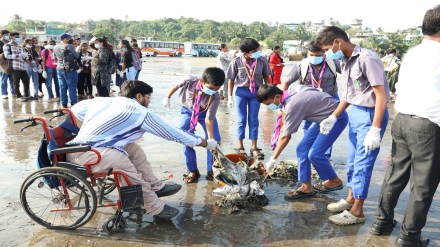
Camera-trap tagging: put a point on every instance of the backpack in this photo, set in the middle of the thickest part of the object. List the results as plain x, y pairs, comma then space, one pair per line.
70, 63
137, 63
5, 64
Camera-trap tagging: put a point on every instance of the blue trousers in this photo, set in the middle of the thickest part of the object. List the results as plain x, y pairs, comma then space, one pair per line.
4, 83
52, 74
307, 124
68, 82
248, 108
189, 152
34, 76
360, 163
312, 147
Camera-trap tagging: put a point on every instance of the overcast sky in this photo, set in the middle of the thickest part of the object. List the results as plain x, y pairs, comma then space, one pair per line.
388, 14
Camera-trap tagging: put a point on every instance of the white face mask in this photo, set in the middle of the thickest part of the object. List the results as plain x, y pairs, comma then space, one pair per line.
28, 46
97, 46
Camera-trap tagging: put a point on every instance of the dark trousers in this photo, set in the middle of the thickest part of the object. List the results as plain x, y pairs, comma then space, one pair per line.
416, 158
22, 75
85, 83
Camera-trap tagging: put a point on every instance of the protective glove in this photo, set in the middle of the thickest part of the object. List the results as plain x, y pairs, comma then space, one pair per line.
40, 70
372, 139
34, 69
211, 144
230, 102
44, 75
166, 103
79, 70
270, 165
327, 124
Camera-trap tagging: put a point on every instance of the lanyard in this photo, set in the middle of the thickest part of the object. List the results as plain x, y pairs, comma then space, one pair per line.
317, 83
250, 72
280, 122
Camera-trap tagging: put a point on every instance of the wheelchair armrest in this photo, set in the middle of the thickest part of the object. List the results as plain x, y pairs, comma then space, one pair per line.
72, 149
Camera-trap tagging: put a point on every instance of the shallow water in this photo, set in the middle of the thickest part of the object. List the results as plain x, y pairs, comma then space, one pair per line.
201, 222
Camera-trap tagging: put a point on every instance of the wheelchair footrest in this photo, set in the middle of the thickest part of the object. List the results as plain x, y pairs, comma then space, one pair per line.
131, 197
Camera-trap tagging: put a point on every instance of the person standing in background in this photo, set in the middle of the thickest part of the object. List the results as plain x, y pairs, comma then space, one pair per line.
49, 63
223, 61
276, 65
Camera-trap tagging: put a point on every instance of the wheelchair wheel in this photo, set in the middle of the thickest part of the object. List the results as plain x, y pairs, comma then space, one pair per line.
109, 186
58, 198
112, 226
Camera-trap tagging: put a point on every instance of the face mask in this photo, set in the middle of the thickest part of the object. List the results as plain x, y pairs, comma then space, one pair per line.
208, 91
97, 46
256, 54
36, 45
7, 37
316, 60
51, 47
391, 56
123, 49
28, 46
334, 55
17, 40
273, 107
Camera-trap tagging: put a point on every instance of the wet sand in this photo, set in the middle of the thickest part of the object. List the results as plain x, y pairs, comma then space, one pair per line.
201, 222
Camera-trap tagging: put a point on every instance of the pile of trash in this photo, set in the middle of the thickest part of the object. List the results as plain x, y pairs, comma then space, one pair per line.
288, 170
242, 182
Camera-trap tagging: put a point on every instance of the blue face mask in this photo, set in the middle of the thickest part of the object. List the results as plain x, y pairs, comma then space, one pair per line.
334, 55
208, 91
273, 107
17, 40
256, 54
316, 60
7, 37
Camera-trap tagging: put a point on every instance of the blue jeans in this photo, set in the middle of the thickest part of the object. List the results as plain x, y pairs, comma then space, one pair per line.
360, 163
68, 82
313, 146
52, 74
34, 76
189, 152
247, 102
137, 75
4, 83
307, 124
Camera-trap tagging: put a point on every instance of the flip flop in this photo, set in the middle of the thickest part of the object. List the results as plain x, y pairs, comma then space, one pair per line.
324, 189
299, 194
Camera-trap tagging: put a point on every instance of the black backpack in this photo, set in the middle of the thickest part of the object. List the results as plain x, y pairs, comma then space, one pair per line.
70, 63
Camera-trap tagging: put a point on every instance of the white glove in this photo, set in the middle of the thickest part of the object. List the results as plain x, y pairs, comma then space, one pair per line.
166, 103
34, 69
211, 144
372, 139
88, 58
44, 75
79, 70
270, 165
40, 70
327, 124
230, 102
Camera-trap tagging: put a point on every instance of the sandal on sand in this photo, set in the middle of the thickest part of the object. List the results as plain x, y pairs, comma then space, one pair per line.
340, 206
256, 153
345, 218
240, 151
320, 188
297, 194
192, 177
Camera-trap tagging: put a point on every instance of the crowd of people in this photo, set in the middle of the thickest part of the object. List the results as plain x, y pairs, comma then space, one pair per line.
246, 81
69, 70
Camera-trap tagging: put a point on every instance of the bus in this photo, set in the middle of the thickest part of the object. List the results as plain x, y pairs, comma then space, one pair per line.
161, 48
201, 49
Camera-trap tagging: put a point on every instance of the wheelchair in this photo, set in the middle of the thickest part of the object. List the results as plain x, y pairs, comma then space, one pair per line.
64, 196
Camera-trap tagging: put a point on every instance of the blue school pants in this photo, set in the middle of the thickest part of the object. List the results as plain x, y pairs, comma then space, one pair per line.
248, 108
189, 152
360, 163
312, 149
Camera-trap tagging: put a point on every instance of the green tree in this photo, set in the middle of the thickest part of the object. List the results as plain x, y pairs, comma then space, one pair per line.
16, 24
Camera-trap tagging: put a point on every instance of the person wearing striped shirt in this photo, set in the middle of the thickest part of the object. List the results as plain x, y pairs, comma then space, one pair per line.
112, 125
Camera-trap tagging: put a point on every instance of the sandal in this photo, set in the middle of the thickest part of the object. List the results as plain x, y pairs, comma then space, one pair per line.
297, 194
256, 153
210, 176
192, 178
240, 151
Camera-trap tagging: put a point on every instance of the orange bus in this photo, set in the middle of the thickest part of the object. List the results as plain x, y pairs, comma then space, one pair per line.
161, 48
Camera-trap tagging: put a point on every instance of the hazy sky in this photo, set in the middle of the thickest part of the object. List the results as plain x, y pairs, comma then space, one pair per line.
388, 14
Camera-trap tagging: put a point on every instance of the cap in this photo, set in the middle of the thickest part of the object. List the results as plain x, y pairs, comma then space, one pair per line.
65, 36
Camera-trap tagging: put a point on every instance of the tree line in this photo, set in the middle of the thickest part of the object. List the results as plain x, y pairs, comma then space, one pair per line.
209, 31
